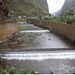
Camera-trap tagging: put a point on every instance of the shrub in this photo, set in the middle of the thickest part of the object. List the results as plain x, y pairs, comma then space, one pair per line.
32, 72
4, 72
12, 70
47, 18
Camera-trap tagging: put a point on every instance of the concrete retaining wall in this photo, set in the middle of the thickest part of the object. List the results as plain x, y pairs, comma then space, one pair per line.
66, 30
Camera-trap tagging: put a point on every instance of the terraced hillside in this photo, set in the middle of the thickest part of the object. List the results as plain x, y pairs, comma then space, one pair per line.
28, 7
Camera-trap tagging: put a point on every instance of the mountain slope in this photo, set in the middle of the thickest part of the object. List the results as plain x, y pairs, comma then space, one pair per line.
68, 5
28, 7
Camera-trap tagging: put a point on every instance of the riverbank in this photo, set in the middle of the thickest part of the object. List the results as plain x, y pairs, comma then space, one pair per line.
7, 31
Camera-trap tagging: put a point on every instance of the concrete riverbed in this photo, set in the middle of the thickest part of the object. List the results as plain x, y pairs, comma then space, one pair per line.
35, 37
52, 60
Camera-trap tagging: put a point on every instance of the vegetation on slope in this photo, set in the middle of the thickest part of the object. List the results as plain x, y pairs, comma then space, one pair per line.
68, 5
67, 17
28, 7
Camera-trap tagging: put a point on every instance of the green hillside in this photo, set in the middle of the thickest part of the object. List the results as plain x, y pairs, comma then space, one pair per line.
28, 7
68, 5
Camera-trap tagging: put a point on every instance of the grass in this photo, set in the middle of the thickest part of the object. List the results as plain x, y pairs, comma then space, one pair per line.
61, 19
53, 19
23, 28
20, 41
13, 70
21, 20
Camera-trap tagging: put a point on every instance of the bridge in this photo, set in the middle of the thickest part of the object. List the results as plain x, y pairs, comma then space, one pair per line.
65, 30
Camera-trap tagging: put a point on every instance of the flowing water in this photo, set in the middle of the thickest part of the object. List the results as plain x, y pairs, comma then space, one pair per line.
59, 61
43, 38
42, 62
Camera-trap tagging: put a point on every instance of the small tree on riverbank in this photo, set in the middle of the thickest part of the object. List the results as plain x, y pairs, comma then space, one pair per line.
4, 10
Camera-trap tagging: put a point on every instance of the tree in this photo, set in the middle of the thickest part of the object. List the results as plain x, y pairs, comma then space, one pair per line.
4, 10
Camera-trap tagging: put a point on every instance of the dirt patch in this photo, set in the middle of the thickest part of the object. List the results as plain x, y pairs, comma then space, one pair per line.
8, 30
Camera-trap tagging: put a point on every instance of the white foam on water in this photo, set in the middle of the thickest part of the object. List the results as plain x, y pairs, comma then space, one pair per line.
38, 56
34, 31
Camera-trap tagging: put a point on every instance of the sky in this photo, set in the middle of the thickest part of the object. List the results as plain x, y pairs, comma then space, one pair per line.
55, 5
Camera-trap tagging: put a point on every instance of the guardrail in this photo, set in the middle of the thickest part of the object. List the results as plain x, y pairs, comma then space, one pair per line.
65, 30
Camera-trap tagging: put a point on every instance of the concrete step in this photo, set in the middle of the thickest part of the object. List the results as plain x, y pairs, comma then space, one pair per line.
36, 55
